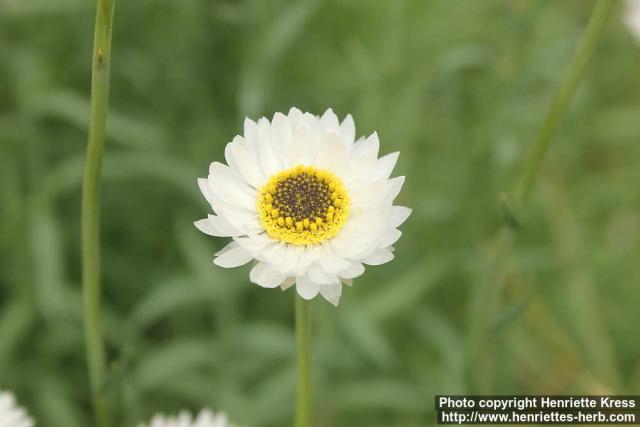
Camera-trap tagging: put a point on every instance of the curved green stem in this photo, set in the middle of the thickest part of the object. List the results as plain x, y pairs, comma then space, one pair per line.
485, 297
562, 99
303, 332
91, 209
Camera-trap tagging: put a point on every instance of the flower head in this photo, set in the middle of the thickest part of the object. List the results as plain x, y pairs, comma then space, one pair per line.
11, 415
205, 418
306, 201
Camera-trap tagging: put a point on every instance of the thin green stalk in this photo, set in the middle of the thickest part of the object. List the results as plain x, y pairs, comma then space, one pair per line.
303, 332
91, 209
485, 301
562, 99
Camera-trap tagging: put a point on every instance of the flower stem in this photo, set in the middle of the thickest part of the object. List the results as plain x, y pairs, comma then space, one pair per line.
91, 208
562, 99
303, 331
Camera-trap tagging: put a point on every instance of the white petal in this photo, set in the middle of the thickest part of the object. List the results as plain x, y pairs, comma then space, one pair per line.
332, 292
291, 259
206, 418
329, 262
319, 276
295, 118
307, 255
255, 243
282, 135
399, 214
203, 185
250, 225
351, 246
229, 187
369, 196
357, 237
289, 282
332, 154
256, 271
226, 248
251, 132
355, 269
330, 121
271, 278
306, 288
302, 147
267, 149
384, 166
358, 172
242, 219
368, 147
205, 226
395, 187
367, 224
273, 255
232, 255
217, 226
348, 131
265, 276
390, 237
379, 257
244, 163
214, 201
11, 414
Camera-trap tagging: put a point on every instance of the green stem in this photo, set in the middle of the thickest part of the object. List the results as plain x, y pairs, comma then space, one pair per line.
303, 332
485, 298
562, 99
91, 208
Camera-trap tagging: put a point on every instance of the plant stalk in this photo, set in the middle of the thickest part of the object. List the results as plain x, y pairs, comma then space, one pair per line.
562, 99
485, 299
90, 232
303, 332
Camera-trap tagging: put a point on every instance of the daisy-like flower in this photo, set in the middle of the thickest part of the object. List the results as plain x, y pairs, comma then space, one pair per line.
632, 18
11, 415
205, 418
305, 201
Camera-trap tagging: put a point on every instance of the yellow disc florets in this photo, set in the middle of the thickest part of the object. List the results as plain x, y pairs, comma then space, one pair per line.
303, 205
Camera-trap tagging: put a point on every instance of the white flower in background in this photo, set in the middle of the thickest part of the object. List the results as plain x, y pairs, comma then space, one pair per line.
632, 18
11, 415
206, 418
306, 201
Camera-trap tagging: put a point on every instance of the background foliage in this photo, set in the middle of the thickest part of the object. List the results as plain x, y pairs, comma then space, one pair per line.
459, 87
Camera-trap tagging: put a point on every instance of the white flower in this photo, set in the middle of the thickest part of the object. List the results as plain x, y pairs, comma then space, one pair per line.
11, 415
206, 418
304, 200
632, 18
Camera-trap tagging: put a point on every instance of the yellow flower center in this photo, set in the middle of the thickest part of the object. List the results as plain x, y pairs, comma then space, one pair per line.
303, 205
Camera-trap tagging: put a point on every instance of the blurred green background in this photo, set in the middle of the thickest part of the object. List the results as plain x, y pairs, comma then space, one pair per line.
459, 87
